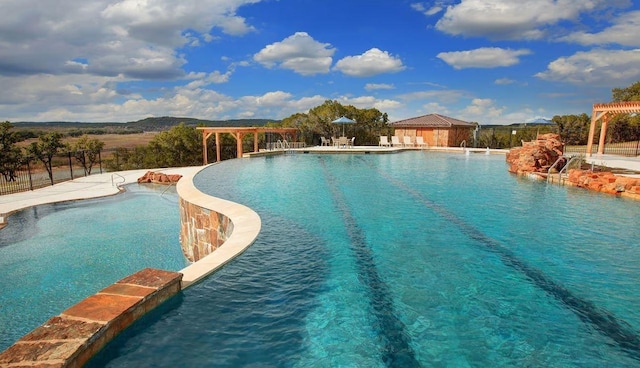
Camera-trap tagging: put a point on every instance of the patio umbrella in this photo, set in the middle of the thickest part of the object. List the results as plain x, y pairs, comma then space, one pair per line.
342, 120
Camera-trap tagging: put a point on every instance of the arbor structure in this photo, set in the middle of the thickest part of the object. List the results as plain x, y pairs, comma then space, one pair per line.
238, 133
602, 114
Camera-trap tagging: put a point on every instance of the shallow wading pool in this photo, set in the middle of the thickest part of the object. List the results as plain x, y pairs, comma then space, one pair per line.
408, 259
53, 256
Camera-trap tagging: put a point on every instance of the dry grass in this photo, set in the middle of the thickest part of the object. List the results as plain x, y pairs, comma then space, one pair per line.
111, 141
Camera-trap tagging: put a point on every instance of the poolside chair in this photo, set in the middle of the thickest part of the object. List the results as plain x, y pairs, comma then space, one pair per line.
406, 141
395, 141
384, 141
324, 141
334, 141
420, 142
351, 142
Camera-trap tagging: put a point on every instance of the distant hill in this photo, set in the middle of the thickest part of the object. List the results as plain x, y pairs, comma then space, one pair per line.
144, 125
166, 122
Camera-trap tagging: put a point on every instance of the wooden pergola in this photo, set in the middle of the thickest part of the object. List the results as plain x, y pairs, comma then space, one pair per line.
602, 113
238, 133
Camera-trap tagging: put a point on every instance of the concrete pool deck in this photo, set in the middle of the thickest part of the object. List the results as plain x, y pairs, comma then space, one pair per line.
92, 186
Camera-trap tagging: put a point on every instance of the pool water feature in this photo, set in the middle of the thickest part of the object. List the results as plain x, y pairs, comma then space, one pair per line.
53, 256
408, 259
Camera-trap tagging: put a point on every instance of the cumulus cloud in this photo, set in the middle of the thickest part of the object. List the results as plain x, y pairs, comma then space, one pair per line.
596, 67
482, 109
132, 38
510, 20
372, 62
300, 53
624, 31
485, 57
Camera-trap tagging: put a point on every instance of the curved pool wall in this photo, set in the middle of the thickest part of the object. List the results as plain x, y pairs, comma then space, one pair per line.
207, 224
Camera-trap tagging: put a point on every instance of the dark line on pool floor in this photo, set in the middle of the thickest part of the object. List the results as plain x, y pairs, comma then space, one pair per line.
601, 319
397, 350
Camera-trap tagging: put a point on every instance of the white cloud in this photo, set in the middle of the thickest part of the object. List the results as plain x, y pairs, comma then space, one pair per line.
132, 38
595, 67
624, 32
298, 52
432, 10
372, 62
508, 19
435, 108
376, 86
481, 110
485, 57
503, 81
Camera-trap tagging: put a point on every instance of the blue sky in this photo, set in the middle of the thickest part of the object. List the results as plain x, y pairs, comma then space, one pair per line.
486, 61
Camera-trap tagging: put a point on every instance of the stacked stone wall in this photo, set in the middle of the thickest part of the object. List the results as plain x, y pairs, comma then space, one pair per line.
202, 230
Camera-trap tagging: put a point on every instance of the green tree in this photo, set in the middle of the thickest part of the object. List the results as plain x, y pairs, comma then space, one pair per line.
87, 152
631, 93
573, 129
45, 149
10, 153
370, 123
625, 127
179, 146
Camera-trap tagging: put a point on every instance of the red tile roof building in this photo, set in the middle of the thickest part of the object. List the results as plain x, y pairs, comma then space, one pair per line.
436, 130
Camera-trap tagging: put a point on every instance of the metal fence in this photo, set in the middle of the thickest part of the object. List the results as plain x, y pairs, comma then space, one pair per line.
33, 175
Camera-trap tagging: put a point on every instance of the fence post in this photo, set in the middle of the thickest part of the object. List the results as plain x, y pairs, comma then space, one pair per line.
70, 165
100, 161
29, 171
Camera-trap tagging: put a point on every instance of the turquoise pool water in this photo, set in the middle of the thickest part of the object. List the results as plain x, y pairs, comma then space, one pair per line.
53, 256
405, 260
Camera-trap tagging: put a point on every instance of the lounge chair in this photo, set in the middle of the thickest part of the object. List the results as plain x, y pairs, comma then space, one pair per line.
384, 141
406, 141
395, 141
420, 142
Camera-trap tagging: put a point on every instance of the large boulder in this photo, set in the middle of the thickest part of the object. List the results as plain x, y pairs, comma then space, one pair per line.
159, 178
536, 156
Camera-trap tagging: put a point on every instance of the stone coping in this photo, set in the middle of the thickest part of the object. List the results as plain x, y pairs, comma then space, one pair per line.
73, 337
246, 227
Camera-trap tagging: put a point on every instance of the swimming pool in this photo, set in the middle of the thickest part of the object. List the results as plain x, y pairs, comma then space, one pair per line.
408, 259
53, 256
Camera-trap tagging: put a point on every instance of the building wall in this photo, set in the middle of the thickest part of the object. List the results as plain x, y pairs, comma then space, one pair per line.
437, 137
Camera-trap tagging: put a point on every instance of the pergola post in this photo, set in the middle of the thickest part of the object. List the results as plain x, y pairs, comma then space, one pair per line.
238, 136
217, 147
255, 141
603, 133
205, 137
592, 132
